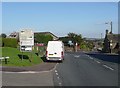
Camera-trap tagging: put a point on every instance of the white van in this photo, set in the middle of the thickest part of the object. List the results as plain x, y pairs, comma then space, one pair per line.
55, 51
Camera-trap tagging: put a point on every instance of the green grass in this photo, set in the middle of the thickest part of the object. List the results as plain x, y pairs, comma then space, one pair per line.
41, 50
15, 57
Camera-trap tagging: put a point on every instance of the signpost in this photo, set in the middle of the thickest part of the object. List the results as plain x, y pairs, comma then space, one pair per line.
4, 58
70, 43
37, 47
26, 38
111, 46
76, 47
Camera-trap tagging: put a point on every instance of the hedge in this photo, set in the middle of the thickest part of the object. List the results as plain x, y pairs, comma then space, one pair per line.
9, 42
1, 42
41, 38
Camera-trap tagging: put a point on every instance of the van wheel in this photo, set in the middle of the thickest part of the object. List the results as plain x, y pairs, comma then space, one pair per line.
61, 61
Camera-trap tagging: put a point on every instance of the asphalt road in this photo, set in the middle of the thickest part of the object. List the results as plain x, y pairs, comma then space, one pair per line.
79, 69
27, 79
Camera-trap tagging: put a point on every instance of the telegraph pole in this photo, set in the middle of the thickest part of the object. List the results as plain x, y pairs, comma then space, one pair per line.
110, 26
101, 35
76, 47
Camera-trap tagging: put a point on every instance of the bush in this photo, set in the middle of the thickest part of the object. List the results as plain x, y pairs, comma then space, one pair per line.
41, 38
1, 42
3, 35
9, 42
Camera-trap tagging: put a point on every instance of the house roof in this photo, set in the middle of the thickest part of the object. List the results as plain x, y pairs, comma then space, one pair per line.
45, 33
113, 37
14, 33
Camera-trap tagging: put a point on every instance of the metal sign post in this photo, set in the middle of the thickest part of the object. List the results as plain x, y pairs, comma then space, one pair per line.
76, 47
22, 56
31, 57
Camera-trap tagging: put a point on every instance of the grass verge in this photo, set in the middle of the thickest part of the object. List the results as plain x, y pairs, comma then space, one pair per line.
16, 57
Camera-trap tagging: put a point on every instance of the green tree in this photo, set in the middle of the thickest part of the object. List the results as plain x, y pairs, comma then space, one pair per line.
3, 35
75, 37
71, 35
9, 42
42, 38
87, 45
1, 43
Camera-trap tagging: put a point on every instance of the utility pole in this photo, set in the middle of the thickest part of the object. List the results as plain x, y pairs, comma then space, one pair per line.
110, 26
101, 35
76, 47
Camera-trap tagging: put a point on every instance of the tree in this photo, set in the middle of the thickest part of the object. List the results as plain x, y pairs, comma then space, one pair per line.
42, 38
3, 35
9, 42
71, 35
76, 38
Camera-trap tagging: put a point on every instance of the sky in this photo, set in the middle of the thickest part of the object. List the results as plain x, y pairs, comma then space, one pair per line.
60, 18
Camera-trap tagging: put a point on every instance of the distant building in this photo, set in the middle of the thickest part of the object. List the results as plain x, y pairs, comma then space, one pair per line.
14, 35
111, 42
48, 33
97, 43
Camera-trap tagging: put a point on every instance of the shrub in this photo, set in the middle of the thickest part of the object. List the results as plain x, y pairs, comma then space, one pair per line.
3, 35
9, 42
1, 42
41, 38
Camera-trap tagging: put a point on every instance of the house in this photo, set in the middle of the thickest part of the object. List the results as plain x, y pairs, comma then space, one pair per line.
14, 35
97, 43
47, 33
111, 43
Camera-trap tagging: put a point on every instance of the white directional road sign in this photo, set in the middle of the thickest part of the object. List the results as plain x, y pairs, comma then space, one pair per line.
26, 37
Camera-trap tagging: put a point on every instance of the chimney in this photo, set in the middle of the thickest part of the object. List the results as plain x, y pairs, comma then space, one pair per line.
111, 27
106, 32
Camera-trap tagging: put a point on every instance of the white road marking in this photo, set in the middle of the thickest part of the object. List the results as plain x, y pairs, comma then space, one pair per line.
58, 77
27, 72
100, 62
55, 70
90, 57
56, 73
60, 84
108, 67
97, 61
33, 71
76, 56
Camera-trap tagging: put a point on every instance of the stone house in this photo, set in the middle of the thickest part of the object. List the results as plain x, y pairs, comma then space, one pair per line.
111, 43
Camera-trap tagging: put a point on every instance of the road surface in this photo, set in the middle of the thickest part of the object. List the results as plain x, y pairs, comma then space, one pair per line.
78, 69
